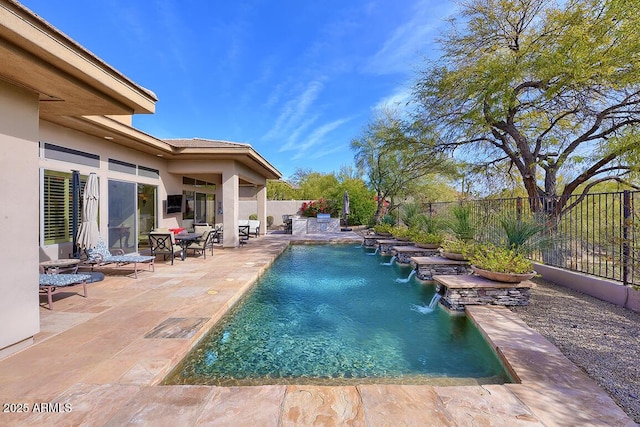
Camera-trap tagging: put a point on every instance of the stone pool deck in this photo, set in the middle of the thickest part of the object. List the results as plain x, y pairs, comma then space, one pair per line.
102, 359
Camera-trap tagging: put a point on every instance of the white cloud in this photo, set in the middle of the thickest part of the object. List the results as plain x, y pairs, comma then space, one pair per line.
295, 135
398, 99
294, 111
410, 41
317, 137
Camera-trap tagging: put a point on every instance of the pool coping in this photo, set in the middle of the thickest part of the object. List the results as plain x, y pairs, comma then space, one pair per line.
76, 365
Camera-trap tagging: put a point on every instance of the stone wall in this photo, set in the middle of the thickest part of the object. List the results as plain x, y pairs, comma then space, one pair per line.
301, 226
404, 256
426, 272
456, 299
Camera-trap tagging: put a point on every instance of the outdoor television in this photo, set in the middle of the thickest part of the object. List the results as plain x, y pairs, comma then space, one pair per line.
174, 203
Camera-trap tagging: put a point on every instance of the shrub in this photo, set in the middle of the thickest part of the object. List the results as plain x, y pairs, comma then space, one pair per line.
427, 238
383, 228
461, 224
253, 217
314, 207
457, 246
500, 259
401, 232
269, 221
388, 219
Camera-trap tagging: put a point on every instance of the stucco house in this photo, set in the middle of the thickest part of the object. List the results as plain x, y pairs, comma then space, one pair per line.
62, 109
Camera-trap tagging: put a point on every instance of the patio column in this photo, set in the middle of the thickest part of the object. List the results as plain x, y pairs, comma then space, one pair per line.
19, 210
230, 206
261, 196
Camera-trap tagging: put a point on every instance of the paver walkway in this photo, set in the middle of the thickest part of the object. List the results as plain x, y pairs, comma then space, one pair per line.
98, 361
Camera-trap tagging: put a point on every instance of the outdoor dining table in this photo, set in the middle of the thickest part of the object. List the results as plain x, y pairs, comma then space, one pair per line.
185, 240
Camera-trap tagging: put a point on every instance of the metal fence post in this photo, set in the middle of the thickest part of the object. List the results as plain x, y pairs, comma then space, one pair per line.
626, 228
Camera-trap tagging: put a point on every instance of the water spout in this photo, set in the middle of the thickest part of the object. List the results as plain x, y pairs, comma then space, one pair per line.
376, 251
413, 272
434, 300
391, 261
423, 309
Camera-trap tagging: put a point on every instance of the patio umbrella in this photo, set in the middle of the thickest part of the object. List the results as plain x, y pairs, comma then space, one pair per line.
75, 208
88, 232
346, 210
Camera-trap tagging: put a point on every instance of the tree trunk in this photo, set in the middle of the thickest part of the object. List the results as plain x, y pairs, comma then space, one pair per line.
379, 208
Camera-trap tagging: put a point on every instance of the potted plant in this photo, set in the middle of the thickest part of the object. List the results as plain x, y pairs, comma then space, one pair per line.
401, 233
457, 249
383, 229
501, 264
427, 240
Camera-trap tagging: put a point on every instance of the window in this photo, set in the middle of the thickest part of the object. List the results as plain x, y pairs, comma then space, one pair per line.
58, 206
120, 166
70, 155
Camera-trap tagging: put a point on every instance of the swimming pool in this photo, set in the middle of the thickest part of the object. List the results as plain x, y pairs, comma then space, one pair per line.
329, 314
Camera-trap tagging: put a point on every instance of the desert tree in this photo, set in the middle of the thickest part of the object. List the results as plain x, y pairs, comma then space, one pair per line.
546, 89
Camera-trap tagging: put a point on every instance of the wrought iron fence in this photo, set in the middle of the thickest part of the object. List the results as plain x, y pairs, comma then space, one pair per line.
597, 234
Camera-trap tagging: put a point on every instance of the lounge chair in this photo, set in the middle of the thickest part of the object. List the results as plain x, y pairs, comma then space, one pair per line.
51, 283
205, 242
100, 257
164, 243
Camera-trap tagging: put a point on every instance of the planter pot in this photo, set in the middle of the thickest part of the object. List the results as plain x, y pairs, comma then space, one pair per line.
502, 277
428, 245
454, 256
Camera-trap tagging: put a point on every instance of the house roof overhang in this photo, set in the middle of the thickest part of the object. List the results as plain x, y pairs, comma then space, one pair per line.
70, 80
79, 91
171, 149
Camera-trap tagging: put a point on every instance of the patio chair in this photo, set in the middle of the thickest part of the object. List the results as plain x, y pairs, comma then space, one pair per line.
51, 283
254, 227
205, 242
218, 237
101, 257
163, 243
243, 232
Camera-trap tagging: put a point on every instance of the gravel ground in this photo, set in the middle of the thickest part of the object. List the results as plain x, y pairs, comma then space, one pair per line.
601, 338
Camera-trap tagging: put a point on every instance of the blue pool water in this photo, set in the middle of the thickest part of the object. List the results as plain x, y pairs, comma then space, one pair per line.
331, 314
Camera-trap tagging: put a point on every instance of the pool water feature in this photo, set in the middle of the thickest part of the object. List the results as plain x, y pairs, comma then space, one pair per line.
328, 314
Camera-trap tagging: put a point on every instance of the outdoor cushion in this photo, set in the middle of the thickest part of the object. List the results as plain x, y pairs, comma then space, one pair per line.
254, 227
62, 279
50, 283
100, 255
200, 229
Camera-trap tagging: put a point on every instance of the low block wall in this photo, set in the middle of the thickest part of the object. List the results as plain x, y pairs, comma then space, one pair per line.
606, 290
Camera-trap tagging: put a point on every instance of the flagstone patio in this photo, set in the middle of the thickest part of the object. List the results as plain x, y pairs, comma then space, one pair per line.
100, 360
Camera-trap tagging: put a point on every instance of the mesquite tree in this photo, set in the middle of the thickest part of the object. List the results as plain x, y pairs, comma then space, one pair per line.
550, 89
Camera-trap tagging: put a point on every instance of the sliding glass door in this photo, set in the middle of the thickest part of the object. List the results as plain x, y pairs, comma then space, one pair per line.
122, 215
132, 213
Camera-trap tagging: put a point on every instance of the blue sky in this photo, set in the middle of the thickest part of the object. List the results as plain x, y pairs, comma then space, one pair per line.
297, 80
